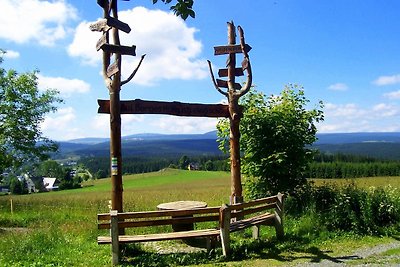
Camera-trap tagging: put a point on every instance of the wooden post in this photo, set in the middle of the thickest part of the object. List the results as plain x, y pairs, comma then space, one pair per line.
225, 213
234, 136
115, 125
114, 232
279, 210
233, 93
112, 79
11, 206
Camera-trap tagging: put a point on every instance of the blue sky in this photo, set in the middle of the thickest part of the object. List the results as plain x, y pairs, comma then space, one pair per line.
345, 53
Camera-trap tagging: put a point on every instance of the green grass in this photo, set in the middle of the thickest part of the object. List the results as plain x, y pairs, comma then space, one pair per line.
59, 228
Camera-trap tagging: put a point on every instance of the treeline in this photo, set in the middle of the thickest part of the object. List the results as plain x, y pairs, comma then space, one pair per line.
351, 166
100, 166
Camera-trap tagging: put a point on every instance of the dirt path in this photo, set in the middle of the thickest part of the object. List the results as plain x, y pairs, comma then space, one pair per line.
371, 256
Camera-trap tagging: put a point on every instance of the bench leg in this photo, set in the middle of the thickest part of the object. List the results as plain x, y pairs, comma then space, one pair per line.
114, 238
210, 243
256, 231
224, 228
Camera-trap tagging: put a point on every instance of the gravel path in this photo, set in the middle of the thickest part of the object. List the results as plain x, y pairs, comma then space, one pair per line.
373, 252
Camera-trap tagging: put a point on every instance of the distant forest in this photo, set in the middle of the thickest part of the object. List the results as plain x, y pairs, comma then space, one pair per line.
100, 166
351, 166
324, 166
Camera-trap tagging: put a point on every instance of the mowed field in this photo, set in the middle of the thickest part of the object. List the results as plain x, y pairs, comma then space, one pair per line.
59, 228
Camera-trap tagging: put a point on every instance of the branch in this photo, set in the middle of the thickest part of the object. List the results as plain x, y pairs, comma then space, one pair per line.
214, 81
134, 72
245, 65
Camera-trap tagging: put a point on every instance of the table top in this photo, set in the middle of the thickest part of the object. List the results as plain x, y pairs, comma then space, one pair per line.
182, 204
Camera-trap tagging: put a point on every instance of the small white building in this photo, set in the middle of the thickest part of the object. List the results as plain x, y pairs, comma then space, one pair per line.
49, 182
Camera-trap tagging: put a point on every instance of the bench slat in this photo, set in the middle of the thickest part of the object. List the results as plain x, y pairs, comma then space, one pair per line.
160, 237
248, 211
251, 203
158, 213
163, 221
245, 223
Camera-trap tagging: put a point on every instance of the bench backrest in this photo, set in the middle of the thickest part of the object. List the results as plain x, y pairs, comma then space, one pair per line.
240, 210
157, 218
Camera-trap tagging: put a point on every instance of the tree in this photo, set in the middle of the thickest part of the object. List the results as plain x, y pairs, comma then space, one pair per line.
276, 135
50, 168
23, 107
182, 8
183, 162
18, 187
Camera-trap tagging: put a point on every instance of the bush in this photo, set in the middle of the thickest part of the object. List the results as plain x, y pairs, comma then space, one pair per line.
371, 211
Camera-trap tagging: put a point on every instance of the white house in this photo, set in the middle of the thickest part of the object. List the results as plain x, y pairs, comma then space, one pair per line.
49, 182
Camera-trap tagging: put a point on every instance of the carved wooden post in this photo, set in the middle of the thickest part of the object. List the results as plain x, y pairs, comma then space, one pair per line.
112, 78
233, 93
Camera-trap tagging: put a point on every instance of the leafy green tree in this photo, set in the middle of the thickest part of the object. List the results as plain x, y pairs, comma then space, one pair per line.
18, 187
50, 168
23, 107
183, 162
182, 8
276, 133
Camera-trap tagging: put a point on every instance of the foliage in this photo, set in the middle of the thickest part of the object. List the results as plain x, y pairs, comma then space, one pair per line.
351, 166
18, 187
60, 227
182, 8
350, 208
99, 166
50, 168
276, 134
64, 175
183, 162
23, 107
352, 169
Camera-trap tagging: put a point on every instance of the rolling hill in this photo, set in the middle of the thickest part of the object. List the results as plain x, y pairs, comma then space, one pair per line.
373, 144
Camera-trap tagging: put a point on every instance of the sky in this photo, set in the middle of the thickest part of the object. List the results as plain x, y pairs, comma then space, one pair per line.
344, 53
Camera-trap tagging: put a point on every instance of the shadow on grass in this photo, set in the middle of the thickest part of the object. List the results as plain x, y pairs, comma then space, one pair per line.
290, 249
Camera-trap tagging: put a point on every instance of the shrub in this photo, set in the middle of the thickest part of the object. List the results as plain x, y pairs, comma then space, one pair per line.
362, 211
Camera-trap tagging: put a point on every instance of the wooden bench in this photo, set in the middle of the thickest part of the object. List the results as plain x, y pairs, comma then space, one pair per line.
116, 221
236, 217
228, 218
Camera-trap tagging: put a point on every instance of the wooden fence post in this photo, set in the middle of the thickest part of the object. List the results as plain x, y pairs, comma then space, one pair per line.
279, 210
114, 237
225, 213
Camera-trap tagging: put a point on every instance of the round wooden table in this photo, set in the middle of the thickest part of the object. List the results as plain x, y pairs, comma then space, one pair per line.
182, 205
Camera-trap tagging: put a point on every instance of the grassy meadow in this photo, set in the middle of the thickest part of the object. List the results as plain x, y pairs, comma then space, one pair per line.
59, 228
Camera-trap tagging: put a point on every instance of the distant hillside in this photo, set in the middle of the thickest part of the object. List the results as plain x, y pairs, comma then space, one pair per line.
367, 137
380, 145
146, 145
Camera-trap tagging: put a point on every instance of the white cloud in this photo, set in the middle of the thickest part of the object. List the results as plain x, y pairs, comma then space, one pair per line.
10, 54
353, 118
44, 22
387, 80
58, 126
170, 45
344, 110
393, 95
338, 87
172, 124
385, 110
65, 86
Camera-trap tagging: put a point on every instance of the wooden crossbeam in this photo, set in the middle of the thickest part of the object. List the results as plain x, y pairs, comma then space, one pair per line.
139, 106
